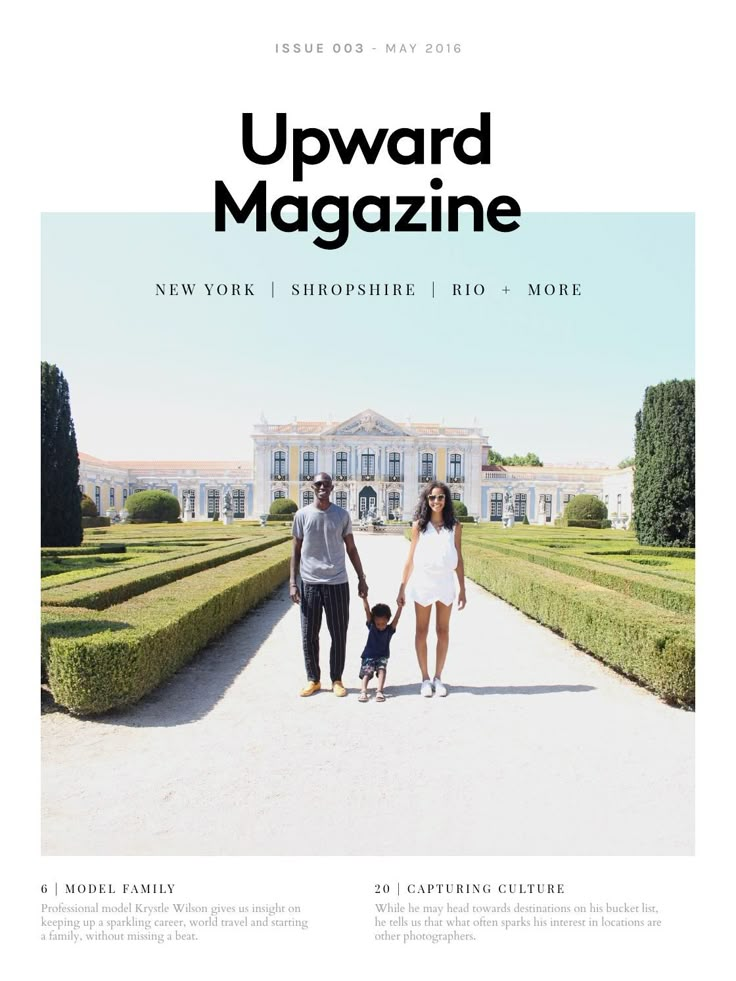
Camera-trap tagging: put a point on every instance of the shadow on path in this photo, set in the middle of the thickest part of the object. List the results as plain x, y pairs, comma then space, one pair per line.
413, 690
200, 685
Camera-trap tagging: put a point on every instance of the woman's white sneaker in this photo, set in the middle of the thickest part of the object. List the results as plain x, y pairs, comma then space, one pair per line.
426, 689
439, 688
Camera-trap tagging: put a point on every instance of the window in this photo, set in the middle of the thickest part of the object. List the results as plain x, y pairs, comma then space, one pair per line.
307, 498
394, 466
520, 506
279, 465
277, 495
341, 499
125, 494
308, 465
341, 465
455, 496
238, 504
368, 466
427, 470
112, 497
98, 498
545, 506
566, 498
618, 504
456, 462
496, 506
213, 503
187, 500
394, 501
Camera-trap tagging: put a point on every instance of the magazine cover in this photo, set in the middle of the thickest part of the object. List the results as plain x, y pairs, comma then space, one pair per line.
367, 492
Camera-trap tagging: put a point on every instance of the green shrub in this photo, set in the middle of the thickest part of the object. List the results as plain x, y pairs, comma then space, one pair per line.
585, 507
460, 510
584, 523
89, 508
119, 586
654, 646
102, 522
525, 521
465, 518
146, 507
283, 506
668, 593
98, 661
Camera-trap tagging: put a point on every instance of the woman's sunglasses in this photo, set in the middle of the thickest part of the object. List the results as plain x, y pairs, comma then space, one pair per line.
436, 497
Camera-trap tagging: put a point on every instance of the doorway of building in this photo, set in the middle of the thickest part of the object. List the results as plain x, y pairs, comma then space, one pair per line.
367, 501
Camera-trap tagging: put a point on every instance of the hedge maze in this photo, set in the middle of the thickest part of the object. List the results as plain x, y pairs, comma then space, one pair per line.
628, 605
120, 617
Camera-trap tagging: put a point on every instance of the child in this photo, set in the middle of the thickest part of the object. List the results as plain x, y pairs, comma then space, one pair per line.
374, 657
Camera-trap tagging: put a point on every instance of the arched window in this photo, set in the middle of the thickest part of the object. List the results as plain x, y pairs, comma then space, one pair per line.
341, 466
307, 465
368, 466
279, 465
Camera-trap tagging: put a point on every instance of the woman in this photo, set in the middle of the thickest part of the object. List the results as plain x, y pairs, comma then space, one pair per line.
435, 557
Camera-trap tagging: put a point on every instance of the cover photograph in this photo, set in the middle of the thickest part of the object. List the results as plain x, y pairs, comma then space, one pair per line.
367, 494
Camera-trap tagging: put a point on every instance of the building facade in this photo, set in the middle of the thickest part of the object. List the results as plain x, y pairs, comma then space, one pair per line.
199, 486
378, 467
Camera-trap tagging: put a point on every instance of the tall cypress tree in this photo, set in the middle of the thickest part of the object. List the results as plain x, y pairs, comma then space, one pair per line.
664, 475
61, 514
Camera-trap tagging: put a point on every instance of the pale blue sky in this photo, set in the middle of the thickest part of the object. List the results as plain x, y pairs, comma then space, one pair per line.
156, 377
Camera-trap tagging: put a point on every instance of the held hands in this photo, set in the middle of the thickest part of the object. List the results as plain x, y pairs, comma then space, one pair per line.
401, 599
362, 587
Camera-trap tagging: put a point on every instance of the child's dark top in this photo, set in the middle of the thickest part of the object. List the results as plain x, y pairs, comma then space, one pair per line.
378, 641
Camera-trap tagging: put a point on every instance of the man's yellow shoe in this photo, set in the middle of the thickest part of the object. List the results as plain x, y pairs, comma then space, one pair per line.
311, 688
339, 688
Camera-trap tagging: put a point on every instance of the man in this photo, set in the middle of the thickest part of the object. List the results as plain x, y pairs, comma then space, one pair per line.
323, 533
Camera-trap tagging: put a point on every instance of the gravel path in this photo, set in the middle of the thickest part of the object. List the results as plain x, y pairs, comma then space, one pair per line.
537, 750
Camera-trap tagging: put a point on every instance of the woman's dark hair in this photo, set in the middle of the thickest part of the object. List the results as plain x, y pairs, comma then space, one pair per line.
381, 610
423, 511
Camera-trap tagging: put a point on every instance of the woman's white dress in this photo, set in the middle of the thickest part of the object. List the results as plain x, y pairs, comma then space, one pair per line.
435, 559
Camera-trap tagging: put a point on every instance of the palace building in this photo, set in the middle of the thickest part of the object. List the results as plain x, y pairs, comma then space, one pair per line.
378, 466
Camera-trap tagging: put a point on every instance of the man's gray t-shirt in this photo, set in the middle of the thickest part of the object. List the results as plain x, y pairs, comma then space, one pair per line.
323, 550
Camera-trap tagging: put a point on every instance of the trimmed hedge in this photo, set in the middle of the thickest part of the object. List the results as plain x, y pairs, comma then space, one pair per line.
653, 646
585, 507
283, 506
95, 662
98, 522
670, 594
120, 586
152, 507
585, 523
52, 553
